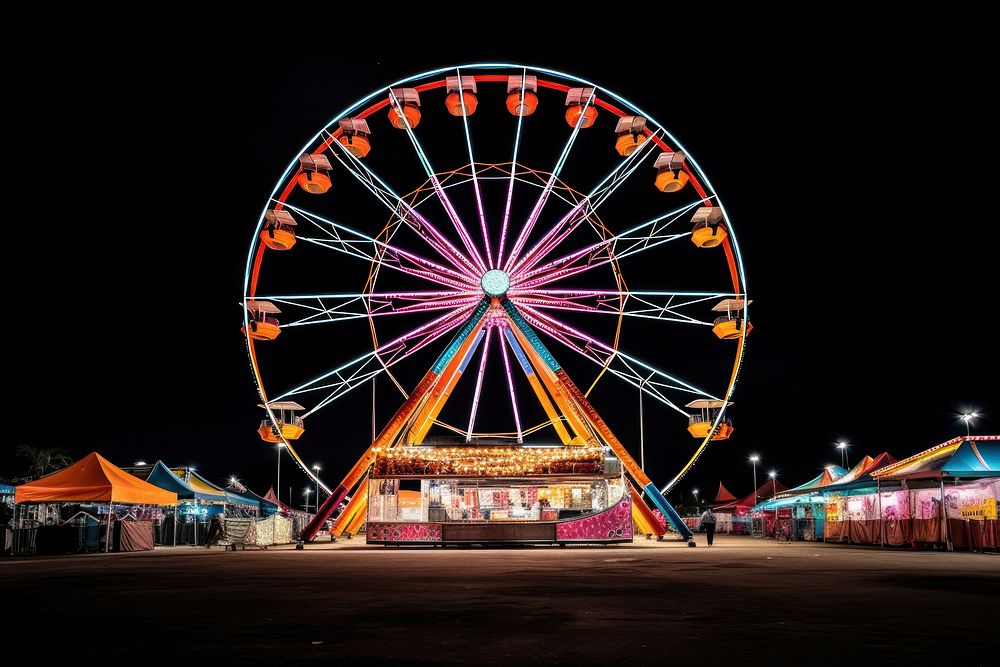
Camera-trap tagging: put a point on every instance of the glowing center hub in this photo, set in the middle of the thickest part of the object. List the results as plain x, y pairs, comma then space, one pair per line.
495, 283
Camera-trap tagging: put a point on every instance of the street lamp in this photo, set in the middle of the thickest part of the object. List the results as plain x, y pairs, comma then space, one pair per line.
306, 493
774, 482
694, 492
967, 418
316, 470
233, 480
754, 459
277, 487
842, 446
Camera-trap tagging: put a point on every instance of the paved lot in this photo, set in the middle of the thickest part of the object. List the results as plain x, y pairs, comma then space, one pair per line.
743, 599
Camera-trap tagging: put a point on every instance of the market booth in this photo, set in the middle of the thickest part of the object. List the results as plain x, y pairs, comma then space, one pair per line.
495, 492
946, 495
738, 513
63, 511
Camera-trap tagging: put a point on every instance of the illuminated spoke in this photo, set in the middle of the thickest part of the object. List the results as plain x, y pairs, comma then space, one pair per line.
475, 181
662, 306
401, 209
642, 237
331, 308
513, 171
522, 237
348, 376
479, 386
583, 210
463, 233
639, 374
510, 385
388, 255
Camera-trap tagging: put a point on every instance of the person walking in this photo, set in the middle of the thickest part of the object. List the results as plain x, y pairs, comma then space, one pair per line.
708, 523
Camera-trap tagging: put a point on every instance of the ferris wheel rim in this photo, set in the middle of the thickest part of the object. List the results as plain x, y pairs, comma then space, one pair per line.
700, 182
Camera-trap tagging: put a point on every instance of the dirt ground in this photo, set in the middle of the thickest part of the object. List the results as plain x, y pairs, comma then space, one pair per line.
743, 599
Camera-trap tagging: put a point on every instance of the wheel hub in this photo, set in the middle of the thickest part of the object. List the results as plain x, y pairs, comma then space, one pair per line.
495, 283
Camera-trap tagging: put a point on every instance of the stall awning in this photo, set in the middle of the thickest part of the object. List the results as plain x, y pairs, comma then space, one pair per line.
966, 457
95, 479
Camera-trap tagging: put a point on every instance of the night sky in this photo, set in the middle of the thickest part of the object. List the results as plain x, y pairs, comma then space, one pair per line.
867, 241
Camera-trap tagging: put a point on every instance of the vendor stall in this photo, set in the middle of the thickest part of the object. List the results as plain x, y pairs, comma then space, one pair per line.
91, 494
495, 492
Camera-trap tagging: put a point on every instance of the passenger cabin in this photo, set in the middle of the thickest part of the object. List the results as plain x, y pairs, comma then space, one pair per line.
262, 325
314, 174
461, 100
279, 230
700, 423
670, 174
522, 95
708, 230
576, 100
288, 427
354, 136
631, 134
730, 325
404, 108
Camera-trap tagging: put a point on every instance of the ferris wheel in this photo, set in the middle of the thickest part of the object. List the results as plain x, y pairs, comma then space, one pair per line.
515, 216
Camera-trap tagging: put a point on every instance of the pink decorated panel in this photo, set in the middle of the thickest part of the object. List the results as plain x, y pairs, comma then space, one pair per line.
614, 523
403, 532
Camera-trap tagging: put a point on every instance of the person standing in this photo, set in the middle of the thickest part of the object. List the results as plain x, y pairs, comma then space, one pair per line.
708, 523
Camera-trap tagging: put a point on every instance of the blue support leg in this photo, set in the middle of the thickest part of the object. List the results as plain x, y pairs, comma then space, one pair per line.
669, 512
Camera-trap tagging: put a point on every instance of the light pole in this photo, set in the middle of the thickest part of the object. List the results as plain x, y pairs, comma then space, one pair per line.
842, 446
277, 484
967, 418
754, 458
306, 493
316, 470
642, 439
774, 481
697, 504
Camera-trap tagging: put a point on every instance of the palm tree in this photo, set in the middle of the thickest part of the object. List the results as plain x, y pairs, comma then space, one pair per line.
40, 461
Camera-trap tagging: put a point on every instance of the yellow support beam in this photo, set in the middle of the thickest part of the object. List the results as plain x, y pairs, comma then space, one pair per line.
439, 396
358, 503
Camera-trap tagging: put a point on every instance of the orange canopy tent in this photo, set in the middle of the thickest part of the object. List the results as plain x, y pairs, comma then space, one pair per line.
93, 478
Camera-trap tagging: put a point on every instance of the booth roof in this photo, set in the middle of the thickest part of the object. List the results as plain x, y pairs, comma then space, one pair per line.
93, 478
974, 456
201, 485
162, 476
768, 490
723, 495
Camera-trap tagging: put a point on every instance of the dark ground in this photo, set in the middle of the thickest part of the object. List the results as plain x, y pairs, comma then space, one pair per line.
742, 600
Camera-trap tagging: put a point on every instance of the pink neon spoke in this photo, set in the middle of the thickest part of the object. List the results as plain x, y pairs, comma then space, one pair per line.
482, 223
550, 323
436, 324
506, 216
549, 240
437, 240
378, 309
463, 233
566, 304
510, 384
479, 385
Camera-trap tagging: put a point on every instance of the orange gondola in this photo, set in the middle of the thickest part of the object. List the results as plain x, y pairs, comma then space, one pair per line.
733, 324
461, 98
631, 134
708, 230
522, 95
279, 230
404, 108
262, 325
314, 176
288, 427
580, 111
354, 136
700, 424
670, 174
